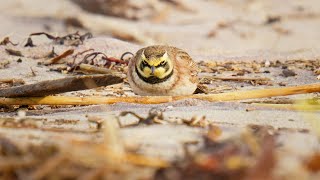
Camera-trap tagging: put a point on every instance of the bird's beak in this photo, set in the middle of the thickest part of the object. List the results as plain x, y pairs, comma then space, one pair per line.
152, 70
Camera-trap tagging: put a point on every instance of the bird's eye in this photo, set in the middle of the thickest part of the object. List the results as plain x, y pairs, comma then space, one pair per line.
163, 63
144, 63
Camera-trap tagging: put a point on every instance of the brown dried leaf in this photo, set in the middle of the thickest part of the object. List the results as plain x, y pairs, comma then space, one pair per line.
14, 52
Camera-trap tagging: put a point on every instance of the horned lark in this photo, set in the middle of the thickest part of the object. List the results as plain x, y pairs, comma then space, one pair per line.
162, 70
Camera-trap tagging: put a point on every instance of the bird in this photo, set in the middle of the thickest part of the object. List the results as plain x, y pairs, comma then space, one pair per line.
162, 70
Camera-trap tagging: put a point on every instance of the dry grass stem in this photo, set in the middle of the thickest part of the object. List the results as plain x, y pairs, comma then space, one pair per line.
229, 96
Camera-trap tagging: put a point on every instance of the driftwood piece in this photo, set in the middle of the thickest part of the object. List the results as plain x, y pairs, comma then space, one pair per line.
50, 87
229, 96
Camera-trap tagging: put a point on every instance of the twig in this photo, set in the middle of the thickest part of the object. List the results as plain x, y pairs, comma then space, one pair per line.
74, 39
58, 58
230, 96
76, 83
33, 72
90, 59
80, 53
49, 36
126, 53
112, 59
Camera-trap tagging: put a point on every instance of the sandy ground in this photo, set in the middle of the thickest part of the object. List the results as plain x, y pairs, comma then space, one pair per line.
219, 31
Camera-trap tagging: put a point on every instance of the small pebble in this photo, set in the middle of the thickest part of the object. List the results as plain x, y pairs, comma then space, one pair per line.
288, 73
282, 84
169, 107
267, 64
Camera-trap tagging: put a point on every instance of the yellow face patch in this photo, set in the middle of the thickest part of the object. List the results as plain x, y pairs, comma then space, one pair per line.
146, 72
161, 66
160, 72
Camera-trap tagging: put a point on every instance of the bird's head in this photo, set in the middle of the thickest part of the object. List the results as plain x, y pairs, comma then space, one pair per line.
154, 65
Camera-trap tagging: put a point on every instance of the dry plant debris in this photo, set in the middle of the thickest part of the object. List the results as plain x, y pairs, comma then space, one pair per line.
229, 159
97, 62
13, 52
47, 160
74, 39
4, 64
6, 41
155, 115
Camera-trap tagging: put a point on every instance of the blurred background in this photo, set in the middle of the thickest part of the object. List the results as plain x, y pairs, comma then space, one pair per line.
202, 26
238, 45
